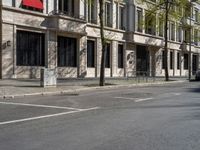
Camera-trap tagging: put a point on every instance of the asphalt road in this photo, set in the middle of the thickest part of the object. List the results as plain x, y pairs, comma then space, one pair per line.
162, 117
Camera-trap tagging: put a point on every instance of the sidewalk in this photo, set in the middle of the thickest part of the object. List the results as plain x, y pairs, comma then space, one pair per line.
10, 88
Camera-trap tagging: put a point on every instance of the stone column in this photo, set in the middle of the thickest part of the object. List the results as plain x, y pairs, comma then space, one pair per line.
82, 65
51, 49
98, 56
114, 58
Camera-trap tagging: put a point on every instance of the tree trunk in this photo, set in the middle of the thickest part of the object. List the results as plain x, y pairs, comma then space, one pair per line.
103, 43
1, 39
166, 42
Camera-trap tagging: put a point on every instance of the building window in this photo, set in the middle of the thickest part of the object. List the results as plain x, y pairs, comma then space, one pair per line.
34, 5
92, 12
139, 20
179, 34
196, 15
186, 36
194, 64
180, 11
121, 18
163, 59
172, 31
171, 60
185, 61
66, 7
107, 54
30, 49
150, 23
120, 56
67, 52
90, 53
161, 27
108, 14
196, 32
178, 60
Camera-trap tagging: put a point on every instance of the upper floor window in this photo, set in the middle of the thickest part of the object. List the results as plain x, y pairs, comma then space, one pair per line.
108, 14
161, 27
139, 20
153, 1
179, 34
35, 5
150, 23
196, 15
172, 31
180, 10
196, 36
92, 11
186, 35
66, 7
121, 17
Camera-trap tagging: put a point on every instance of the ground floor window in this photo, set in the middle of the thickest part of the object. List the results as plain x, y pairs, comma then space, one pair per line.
107, 53
90, 53
163, 59
30, 48
120, 56
194, 64
171, 60
185, 61
67, 52
178, 60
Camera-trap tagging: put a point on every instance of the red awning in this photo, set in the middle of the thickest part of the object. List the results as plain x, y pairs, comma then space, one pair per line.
33, 3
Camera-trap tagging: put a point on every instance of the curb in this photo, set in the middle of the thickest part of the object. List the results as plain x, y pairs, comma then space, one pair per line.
86, 89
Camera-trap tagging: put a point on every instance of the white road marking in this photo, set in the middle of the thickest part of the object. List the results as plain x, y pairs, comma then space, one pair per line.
177, 93
145, 99
46, 116
125, 98
35, 105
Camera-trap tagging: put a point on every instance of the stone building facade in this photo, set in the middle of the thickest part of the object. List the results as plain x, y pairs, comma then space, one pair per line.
65, 35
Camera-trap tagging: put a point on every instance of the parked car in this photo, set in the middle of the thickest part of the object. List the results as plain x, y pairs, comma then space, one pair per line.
197, 75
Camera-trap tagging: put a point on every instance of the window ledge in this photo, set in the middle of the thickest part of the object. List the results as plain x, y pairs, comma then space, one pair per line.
21, 10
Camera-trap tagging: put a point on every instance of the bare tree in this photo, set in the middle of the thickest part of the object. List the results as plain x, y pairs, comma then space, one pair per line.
103, 43
1, 39
167, 9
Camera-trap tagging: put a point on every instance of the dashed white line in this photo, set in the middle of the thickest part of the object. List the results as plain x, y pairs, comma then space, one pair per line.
125, 98
144, 99
36, 105
46, 116
177, 94
134, 99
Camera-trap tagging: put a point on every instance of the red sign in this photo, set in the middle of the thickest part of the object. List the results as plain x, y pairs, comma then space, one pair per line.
33, 3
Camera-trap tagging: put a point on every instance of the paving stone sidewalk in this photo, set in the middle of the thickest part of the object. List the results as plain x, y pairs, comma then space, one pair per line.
26, 87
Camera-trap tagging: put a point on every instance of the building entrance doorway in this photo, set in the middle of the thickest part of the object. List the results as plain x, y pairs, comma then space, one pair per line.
142, 60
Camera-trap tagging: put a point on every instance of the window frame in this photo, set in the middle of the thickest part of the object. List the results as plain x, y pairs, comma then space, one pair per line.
30, 43
121, 59
67, 53
139, 20
92, 63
